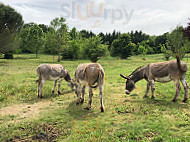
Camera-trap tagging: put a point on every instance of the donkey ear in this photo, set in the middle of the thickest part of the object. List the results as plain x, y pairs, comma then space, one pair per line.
124, 76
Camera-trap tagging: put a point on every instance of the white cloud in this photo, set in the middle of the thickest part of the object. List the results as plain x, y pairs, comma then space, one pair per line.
152, 17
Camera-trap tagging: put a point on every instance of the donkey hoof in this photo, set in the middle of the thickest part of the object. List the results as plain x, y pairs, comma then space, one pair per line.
145, 96
87, 108
102, 109
82, 101
52, 91
152, 97
174, 100
59, 93
77, 103
185, 100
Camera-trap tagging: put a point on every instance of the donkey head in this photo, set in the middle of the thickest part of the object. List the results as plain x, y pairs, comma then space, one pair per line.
130, 84
72, 84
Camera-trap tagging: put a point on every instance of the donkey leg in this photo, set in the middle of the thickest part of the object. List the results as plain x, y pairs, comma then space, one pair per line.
83, 92
186, 88
153, 89
40, 86
59, 85
53, 90
147, 90
101, 98
178, 88
78, 92
90, 98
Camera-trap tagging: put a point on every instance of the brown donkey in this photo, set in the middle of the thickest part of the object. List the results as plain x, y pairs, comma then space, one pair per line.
160, 72
87, 75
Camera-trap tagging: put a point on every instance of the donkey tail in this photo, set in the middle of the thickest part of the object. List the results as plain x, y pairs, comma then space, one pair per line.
178, 62
94, 86
96, 82
100, 79
184, 68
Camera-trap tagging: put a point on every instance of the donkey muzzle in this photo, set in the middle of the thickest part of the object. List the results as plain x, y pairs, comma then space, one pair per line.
127, 92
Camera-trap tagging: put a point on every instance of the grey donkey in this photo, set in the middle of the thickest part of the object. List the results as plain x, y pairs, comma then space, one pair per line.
53, 72
161, 72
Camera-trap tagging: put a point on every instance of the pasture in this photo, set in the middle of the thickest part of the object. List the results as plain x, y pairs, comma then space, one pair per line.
25, 117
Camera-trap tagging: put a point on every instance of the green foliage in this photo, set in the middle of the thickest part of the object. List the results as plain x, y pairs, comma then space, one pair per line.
73, 33
86, 34
166, 51
8, 41
24, 45
162, 39
60, 31
10, 19
35, 39
177, 43
138, 37
10, 24
72, 51
108, 38
8, 56
142, 49
122, 47
50, 44
186, 31
93, 49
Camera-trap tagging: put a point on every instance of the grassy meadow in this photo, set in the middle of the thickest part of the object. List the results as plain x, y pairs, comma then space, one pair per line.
25, 117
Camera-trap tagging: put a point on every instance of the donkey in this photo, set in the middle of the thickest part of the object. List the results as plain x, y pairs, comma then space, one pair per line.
53, 72
160, 72
89, 75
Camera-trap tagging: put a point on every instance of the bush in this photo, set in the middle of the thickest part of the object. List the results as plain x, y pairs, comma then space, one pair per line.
93, 49
8, 56
122, 47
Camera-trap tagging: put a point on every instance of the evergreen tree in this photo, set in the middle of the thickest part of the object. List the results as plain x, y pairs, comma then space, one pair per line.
122, 47
10, 25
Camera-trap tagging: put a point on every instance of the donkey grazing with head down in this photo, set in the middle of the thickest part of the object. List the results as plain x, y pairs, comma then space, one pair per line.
87, 75
53, 72
160, 72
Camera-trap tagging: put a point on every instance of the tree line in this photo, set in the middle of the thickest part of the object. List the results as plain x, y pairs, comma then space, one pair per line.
57, 39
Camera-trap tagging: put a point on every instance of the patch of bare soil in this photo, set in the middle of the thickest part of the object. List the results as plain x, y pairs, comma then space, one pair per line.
41, 132
24, 111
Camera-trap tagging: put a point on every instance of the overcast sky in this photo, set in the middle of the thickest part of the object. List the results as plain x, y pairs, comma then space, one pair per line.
153, 17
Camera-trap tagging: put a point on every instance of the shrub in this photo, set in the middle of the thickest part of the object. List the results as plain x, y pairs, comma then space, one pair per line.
122, 47
93, 49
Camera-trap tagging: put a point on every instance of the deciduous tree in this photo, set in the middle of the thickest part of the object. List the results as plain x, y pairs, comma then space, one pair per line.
61, 34
35, 39
177, 43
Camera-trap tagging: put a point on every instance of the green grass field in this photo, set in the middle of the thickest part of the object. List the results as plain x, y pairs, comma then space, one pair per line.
25, 117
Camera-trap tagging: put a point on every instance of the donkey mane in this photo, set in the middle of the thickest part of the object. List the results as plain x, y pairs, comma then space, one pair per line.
136, 70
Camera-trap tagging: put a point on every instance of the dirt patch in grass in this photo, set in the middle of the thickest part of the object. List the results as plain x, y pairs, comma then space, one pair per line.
40, 132
24, 111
